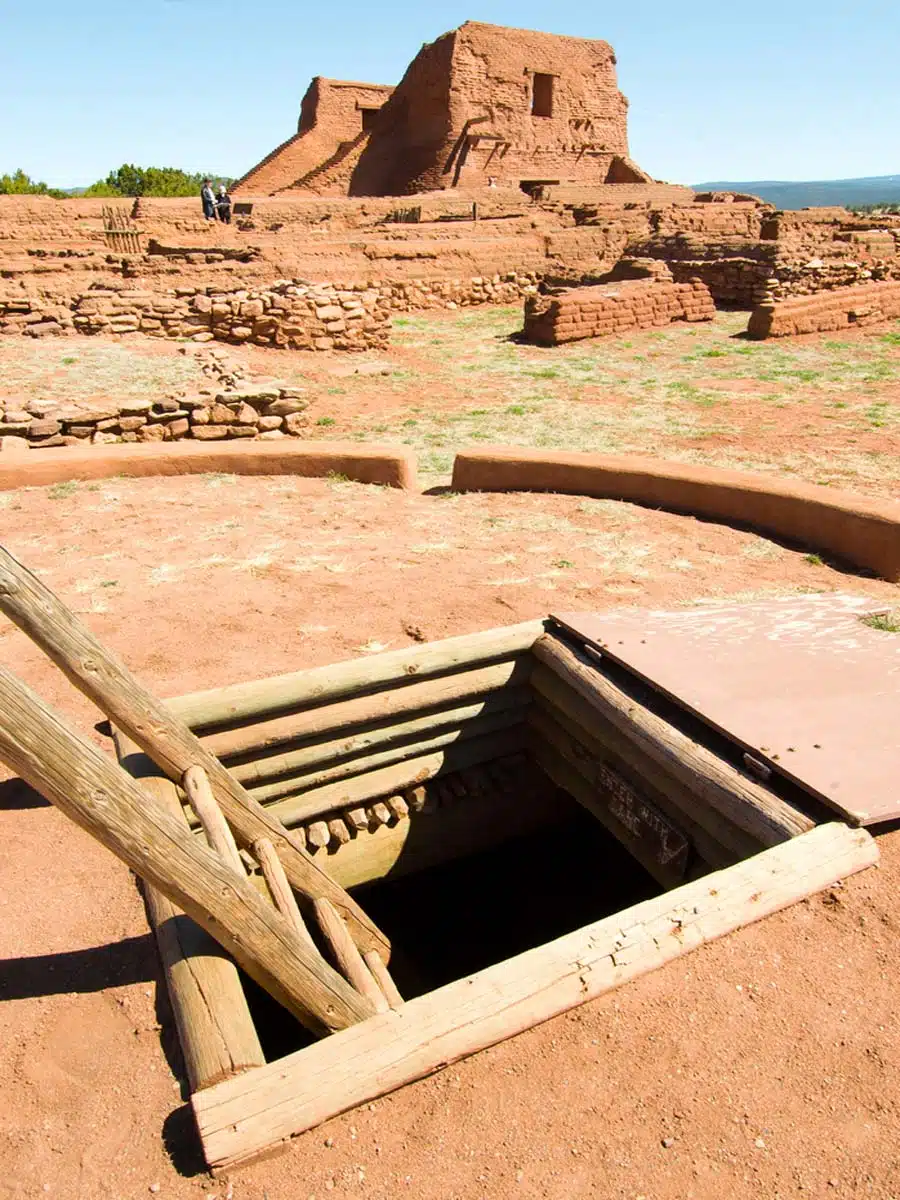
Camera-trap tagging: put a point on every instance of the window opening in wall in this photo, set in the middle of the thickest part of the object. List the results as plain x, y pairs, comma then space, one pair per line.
368, 117
542, 95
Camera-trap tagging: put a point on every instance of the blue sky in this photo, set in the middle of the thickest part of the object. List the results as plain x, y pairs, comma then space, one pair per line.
807, 89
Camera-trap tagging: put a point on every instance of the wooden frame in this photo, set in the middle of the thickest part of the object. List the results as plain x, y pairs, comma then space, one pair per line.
251, 883
248, 1115
682, 811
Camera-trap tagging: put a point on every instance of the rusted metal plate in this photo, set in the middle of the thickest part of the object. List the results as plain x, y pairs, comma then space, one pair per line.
800, 682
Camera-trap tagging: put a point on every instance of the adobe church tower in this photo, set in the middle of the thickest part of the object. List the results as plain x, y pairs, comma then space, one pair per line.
481, 102
485, 101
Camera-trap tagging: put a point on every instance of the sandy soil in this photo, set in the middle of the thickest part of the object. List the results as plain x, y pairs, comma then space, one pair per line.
765, 1065
821, 408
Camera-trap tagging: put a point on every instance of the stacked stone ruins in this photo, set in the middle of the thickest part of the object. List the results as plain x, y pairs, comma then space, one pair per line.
496, 171
614, 308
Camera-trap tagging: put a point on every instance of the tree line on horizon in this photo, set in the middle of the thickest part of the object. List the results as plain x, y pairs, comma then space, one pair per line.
127, 180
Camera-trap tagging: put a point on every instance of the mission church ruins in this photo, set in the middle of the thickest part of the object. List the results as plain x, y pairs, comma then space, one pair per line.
482, 103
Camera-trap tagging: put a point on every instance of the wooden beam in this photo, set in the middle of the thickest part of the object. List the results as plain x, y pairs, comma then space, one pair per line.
102, 678
347, 716
382, 976
107, 803
243, 1117
347, 793
715, 782
262, 767
319, 685
561, 737
279, 888
550, 752
302, 781
217, 1035
347, 957
707, 827
203, 802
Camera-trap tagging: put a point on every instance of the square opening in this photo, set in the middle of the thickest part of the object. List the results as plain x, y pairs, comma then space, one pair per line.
367, 116
474, 816
528, 825
541, 95
499, 862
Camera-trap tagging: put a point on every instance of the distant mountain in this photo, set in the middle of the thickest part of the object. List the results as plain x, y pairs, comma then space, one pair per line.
874, 189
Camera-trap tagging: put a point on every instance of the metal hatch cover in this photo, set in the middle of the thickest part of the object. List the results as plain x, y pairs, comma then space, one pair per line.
800, 682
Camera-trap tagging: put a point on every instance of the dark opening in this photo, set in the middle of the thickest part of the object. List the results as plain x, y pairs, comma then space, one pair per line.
535, 188
368, 116
466, 914
542, 95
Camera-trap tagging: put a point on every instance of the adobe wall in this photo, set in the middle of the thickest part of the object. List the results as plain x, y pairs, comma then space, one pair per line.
840, 308
854, 528
463, 112
384, 465
613, 308
52, 251
321, 156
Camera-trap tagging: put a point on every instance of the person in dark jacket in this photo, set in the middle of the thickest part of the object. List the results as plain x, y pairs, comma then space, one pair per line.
208, 199
223, 205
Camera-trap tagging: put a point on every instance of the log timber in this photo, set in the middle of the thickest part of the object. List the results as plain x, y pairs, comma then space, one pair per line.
102, 678
108, 804
217, 1035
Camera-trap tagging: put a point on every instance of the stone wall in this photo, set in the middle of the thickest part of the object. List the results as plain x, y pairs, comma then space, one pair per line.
612, 309
842, 308
268, 411
292, 315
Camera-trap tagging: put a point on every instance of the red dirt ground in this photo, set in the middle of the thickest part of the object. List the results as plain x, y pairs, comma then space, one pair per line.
765, 1065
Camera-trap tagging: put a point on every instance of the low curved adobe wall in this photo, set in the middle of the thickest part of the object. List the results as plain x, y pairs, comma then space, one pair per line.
853, 528
37, 468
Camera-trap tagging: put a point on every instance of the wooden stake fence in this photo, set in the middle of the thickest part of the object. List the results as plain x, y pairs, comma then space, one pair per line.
119, 232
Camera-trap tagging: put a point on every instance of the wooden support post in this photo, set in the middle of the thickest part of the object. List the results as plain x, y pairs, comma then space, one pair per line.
282, 896
348, 957
715, 782
203, 802
375, 963
243, 1117
107, 803
320, 685
217, 1035
102, 678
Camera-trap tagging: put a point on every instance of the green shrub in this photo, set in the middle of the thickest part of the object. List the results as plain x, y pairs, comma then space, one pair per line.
20, 184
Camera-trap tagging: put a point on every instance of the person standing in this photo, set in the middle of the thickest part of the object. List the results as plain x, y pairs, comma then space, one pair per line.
223, 205
208, 199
